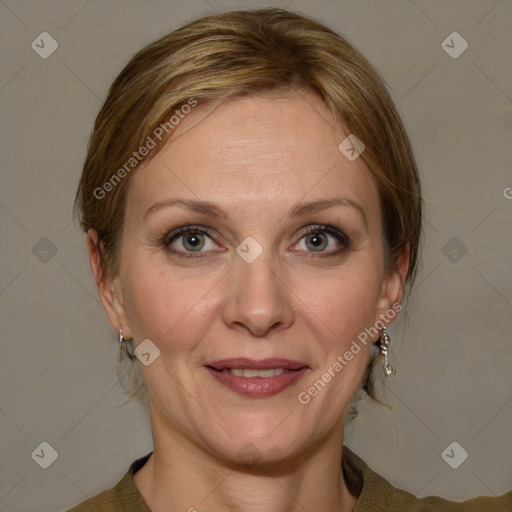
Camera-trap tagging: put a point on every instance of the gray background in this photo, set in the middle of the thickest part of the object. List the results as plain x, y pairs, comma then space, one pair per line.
453, 356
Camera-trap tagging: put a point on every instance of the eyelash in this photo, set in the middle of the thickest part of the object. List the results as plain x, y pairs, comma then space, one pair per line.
341, 237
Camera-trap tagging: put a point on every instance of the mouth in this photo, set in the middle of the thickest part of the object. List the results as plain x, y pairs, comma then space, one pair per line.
257, 378
256, 364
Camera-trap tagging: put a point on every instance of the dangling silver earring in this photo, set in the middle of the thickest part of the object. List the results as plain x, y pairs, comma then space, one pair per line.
384, 342
122, 346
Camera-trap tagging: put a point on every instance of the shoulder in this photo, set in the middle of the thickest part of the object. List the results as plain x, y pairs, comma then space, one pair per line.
397, 499
123, 496
376, 494
106, 500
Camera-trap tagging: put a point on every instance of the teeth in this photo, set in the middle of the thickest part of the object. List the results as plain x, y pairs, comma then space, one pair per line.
242, 372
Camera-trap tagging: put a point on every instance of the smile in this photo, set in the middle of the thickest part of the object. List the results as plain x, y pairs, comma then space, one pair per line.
247, 372
257, 378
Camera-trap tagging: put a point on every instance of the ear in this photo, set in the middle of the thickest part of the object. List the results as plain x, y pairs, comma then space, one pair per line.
392, 290
109, 289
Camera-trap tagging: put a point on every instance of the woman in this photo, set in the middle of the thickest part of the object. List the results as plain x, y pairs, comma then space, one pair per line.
253, 215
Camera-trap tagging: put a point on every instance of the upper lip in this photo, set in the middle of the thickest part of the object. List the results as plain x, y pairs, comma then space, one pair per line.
256, 364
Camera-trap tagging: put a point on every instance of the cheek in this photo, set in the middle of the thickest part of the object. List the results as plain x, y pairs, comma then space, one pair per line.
166, 307
175, 306
354, 310
341, 310
344, 303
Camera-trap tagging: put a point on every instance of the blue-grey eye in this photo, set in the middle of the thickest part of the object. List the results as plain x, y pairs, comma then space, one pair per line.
190, 240
323, 239
316, 241
193, 241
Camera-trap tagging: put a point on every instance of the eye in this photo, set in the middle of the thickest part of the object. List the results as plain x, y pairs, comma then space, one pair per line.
196, 241
189, 239
323, 239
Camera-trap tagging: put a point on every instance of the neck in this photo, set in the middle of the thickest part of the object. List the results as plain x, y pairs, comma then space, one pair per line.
182, 475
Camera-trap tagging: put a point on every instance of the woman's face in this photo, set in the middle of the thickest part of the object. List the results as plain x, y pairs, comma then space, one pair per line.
282, 259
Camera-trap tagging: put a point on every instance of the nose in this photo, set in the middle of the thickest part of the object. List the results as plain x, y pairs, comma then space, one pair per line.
258, 299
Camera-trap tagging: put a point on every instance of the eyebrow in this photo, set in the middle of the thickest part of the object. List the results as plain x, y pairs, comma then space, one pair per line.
190, 204
323, 204
299, 210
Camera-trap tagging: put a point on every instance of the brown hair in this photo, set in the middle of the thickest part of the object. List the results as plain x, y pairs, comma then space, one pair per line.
246, 53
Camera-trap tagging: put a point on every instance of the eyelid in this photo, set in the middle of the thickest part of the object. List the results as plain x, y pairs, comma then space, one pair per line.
174, 234
341, 237
327, 228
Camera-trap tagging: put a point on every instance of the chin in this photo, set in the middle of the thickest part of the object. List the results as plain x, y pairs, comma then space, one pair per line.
260, 444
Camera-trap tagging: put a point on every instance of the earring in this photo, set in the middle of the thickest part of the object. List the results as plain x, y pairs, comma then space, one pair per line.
122, 346
384, 342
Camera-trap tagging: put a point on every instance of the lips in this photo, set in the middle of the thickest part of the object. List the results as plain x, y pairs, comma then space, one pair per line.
256, 364
257, 378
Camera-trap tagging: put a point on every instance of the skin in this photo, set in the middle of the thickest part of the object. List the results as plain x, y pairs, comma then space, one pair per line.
256, 158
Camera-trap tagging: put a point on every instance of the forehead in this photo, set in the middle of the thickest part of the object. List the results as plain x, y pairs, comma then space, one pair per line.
254, 150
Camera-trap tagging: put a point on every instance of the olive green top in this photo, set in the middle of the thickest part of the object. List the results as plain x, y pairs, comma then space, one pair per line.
375, 494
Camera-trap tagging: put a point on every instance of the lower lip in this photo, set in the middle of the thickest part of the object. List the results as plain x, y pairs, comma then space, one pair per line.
258, 387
